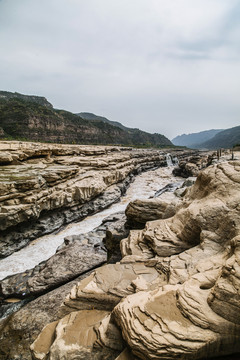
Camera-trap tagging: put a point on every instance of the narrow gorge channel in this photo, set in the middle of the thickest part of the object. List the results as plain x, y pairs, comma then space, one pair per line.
110, 253
144, 186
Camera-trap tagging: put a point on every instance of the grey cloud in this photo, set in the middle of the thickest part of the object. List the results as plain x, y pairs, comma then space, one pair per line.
144, 63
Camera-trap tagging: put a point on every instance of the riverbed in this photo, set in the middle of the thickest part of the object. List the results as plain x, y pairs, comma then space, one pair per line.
144, 186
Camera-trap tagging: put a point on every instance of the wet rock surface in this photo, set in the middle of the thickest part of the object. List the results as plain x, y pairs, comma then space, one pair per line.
175, 293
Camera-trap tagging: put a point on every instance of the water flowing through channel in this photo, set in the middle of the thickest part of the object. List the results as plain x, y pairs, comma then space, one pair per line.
143, 187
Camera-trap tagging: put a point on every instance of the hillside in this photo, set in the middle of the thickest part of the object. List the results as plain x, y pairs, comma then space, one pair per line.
193, 140
7, 95
224, 139
133, 134
90, 116
22, 118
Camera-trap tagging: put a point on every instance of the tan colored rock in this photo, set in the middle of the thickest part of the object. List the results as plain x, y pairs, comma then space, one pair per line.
109, 335
51, 179
140, 211
199, 312
21, 328
175, 293
109, 284
225, 295
5, 157
42, 344
76, 336
197, 253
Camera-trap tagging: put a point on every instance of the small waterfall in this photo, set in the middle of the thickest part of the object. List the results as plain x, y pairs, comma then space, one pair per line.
169, 160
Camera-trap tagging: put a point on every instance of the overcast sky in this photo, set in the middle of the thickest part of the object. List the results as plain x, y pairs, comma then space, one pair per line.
166, 66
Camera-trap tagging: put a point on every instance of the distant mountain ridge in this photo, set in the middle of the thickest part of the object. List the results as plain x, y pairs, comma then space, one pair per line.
194, 140
91, 116
26, 117
132, 133
216, 139
225, 139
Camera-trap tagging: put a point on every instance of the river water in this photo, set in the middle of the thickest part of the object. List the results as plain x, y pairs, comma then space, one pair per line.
143, 187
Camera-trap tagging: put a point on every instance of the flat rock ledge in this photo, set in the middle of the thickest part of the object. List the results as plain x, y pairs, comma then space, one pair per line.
175, 293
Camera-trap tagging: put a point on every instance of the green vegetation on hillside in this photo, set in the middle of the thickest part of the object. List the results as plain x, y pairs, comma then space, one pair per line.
224, 139
195, 139
7, 95
21, 119
134, 136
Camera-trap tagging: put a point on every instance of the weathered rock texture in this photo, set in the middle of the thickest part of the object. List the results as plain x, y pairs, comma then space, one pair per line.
138, 212
43, 186
20, 329
175, 294
190, 166
77, 255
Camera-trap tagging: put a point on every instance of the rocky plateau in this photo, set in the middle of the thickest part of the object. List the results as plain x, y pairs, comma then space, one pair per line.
159, 282
175, 293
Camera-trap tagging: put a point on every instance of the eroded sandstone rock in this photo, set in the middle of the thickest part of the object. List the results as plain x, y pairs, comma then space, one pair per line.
44, 186
175, 294
138, 212
190, 166
21, 328
69, 262
78, 254
74, 336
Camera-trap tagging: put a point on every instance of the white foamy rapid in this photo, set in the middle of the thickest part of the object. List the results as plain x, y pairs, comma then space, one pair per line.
144, 186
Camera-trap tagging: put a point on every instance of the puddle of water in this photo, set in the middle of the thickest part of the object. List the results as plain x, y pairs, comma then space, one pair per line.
144, 186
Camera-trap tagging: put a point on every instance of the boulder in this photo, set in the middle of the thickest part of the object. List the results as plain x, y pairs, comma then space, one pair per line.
138, 212
116, 230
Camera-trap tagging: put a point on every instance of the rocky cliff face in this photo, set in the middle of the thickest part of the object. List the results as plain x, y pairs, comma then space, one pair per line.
174, 294
7, 95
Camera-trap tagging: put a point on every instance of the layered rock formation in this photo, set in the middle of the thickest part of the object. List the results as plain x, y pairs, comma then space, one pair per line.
43, 186
191, 165
175, 293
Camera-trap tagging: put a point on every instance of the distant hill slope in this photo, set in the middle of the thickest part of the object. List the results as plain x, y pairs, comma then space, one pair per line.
22, 118
193, 140
224, 139
90, 116
134, 135
7, 95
